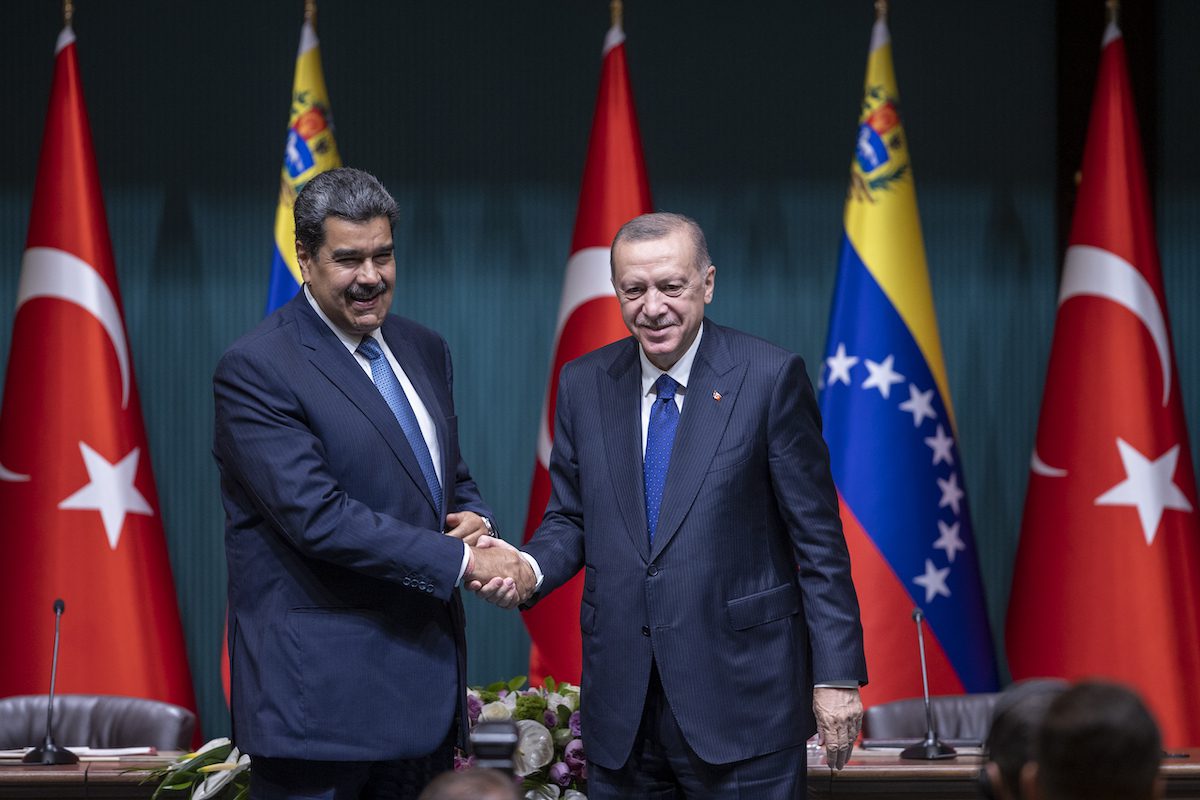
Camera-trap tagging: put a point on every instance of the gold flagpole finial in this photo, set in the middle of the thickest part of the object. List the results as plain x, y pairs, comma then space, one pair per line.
310, 12
68, 12
881, 9
1113, 11
617, 10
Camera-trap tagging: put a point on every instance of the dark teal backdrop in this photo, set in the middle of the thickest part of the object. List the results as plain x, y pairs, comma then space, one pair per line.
476, 116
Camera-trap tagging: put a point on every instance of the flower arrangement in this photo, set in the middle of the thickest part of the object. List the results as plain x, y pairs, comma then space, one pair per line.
217, 771
549, 757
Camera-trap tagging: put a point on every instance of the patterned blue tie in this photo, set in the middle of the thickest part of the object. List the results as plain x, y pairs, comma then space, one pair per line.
393, 395
660, 434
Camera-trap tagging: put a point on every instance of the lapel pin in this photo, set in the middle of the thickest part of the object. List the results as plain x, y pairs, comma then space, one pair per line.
716, 395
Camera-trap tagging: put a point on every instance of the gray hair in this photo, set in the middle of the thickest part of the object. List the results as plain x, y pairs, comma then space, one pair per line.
348, 193
649, 227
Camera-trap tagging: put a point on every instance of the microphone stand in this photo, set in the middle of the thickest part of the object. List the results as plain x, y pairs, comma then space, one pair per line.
932, 748
49, 752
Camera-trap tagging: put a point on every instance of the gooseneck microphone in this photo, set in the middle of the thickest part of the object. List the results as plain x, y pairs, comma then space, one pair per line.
932, 748
49, 752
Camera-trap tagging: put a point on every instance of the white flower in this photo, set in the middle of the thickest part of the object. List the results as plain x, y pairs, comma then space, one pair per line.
554, 700
220, 774
574, 795
546, 792
495, 712
535, 748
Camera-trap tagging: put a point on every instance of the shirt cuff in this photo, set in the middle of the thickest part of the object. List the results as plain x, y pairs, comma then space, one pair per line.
537, 571
836, 685
462, 570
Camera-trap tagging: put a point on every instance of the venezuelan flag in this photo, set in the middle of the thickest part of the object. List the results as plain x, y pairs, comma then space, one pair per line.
310, 150
890, 425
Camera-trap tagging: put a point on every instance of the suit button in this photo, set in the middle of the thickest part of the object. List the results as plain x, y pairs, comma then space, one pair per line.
407, 581
645, 630
653, 570
421, 586
428, 590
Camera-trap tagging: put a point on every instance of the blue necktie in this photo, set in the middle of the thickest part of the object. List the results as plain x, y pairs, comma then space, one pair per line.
660, 434
393, 395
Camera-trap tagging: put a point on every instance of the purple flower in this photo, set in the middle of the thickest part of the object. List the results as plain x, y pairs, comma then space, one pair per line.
474, 706
575, 724
550, 718
560, 773
462, 762
573, 755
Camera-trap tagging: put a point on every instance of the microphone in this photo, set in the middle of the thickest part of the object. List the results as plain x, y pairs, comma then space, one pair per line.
932, 748
49, 752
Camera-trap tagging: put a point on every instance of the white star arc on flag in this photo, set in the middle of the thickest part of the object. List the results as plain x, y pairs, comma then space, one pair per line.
110, 491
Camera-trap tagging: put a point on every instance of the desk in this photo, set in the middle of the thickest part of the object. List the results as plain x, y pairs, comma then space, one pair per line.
866, 777
885, 776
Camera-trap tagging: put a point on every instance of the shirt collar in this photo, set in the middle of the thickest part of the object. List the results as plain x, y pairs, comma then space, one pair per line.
680, 371
351, 341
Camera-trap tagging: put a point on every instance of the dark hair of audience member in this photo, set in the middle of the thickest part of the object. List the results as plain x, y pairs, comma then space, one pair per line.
1018, 713
1098, 742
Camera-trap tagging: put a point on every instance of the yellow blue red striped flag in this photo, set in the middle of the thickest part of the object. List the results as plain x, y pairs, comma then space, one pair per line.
310, 150
890, 425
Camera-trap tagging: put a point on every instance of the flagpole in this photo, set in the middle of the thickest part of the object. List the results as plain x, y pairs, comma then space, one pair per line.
310, 12
68, 12
617, 11
881, 9
1113, 11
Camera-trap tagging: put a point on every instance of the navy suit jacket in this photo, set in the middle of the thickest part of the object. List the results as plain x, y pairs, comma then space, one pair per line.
345, 626
745, 600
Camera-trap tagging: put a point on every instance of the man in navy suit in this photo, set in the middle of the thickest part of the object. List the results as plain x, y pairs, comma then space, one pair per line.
349, 518
692, 486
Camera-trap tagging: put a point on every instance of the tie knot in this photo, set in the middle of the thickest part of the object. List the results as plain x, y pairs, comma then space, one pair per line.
666, 387
370, 348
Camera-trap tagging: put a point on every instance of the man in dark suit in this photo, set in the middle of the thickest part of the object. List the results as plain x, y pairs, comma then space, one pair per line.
692, 486
349, 518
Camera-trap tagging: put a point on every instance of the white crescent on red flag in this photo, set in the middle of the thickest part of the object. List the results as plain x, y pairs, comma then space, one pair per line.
81, 514
1107, 577
614, 191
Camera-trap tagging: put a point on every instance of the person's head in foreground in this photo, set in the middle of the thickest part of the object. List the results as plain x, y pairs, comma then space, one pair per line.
1097, 742
471, 784
1016, 717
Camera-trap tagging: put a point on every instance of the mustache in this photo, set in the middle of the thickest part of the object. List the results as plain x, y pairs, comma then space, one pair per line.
363, 293
656, 323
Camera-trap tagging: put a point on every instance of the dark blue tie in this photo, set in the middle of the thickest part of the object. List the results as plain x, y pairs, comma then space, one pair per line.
660, 434
393, 395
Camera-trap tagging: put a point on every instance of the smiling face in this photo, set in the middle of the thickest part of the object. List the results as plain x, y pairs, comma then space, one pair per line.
353, 274
662, 294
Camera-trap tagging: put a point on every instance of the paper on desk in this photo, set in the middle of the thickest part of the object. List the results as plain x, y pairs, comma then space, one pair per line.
89, 752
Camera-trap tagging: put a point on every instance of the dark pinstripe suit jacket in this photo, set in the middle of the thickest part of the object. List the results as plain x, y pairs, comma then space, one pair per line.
745, 600
346, 631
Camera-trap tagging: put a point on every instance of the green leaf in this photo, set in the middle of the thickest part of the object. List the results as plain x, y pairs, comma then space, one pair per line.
516, 683
549, 683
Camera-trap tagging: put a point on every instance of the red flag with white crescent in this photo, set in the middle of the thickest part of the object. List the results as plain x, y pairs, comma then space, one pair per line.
1107, 576
614, 191
81, 514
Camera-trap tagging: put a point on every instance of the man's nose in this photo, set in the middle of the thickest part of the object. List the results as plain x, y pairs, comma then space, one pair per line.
367, 273
653, 303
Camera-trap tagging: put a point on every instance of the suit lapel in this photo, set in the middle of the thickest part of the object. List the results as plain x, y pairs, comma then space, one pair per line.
620, 389
330, 356
701, 426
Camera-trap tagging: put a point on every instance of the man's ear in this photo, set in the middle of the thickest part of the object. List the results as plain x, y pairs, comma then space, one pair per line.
302, 258
1029, 787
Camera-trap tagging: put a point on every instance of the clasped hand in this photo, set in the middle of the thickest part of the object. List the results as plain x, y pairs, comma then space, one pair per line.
497, 573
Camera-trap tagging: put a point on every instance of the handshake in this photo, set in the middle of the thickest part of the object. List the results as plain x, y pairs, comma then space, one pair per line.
496, 571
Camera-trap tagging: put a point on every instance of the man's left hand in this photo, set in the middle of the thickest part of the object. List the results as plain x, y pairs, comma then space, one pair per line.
466, 525
839, 719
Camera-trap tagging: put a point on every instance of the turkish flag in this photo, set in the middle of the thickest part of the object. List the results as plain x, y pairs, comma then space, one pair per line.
615, 190
81, 518
1107, 576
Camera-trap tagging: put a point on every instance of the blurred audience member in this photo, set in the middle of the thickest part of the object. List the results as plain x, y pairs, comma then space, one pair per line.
1098, 741
1015, 720
471, 784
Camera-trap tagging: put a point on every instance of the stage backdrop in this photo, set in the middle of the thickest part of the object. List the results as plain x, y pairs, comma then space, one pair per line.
476, 116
